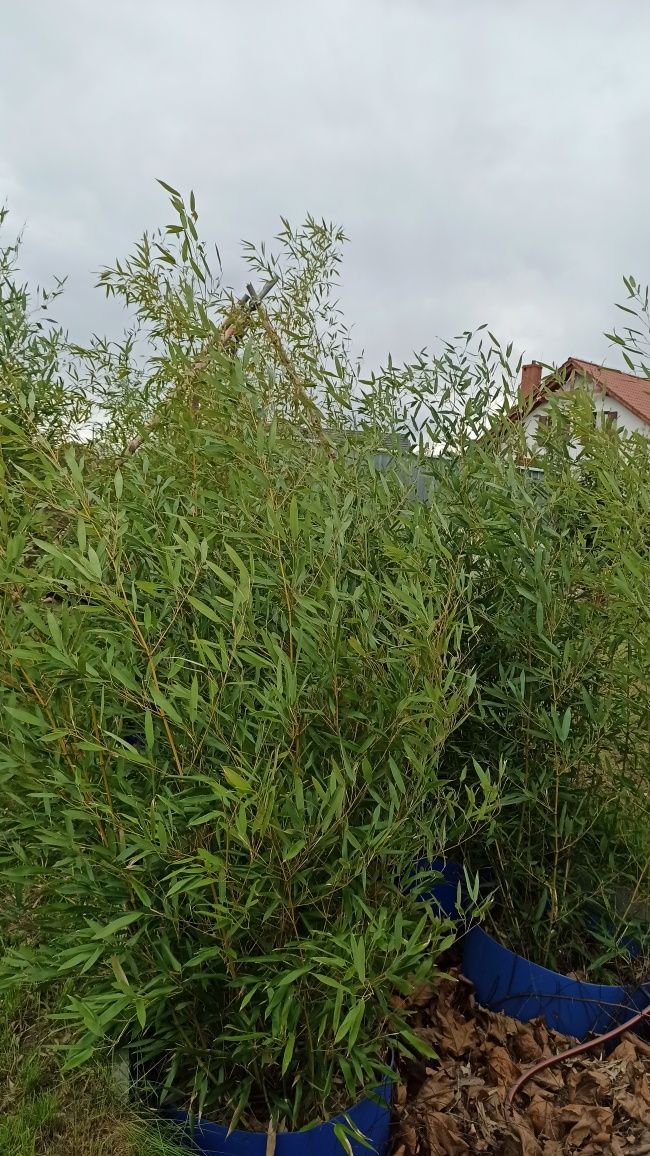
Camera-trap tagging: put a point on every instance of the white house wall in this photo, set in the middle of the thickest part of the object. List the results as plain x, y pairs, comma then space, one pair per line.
625, 419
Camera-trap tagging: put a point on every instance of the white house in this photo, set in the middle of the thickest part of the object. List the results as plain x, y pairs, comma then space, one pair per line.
619, 399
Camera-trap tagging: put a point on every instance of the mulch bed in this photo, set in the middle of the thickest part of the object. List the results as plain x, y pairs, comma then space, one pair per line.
591, 1104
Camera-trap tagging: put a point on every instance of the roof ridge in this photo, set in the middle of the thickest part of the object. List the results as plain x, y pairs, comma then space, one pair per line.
607, 368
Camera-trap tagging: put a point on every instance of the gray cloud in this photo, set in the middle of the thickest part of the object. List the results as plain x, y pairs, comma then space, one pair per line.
488, 158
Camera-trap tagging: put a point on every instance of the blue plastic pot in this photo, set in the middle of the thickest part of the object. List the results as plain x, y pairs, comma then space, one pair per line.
506, 982
371, 1117
443, 893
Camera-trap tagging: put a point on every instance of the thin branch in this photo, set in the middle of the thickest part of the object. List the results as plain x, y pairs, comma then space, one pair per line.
246, 305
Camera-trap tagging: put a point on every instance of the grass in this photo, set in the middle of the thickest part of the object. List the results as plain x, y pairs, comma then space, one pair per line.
46, 1112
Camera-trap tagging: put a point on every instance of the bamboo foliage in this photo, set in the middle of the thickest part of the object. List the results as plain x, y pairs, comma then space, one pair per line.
256, 661
230, 662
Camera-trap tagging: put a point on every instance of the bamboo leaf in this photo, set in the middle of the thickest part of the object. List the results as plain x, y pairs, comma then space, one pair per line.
236, 780
117, 925
203, 609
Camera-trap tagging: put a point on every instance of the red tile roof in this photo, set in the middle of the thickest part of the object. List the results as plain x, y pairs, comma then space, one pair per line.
633, 392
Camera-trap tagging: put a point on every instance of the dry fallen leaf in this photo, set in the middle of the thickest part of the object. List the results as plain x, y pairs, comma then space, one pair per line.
528, 1143
437, 1092
399, 1095
626, 1050
542, 1115
501, 1067
635, 1107
458, 1036
443, 1136
525, 1047
501, 1028
550, 1080
642, 1088
588, 1086
408, 1137
586, 1123
587, 1106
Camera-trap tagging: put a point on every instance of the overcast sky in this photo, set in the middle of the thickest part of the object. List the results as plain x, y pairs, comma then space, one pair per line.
488, 159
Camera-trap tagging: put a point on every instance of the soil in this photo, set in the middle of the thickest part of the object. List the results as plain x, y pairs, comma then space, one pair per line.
591, 1105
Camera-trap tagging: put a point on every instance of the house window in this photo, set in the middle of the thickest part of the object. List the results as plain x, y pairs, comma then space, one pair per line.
543, 426
607, 418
